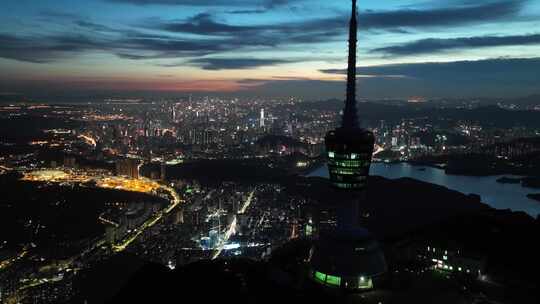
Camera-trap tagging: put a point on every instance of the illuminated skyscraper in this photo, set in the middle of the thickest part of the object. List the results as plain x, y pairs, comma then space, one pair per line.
173, 113
261, 119
348, 257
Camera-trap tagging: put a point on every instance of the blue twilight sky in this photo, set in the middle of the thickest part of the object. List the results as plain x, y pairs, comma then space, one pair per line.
444, 48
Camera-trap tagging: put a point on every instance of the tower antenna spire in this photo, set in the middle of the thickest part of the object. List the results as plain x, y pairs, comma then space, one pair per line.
350, 113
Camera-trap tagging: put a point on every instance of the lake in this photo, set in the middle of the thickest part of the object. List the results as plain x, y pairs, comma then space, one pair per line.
494, 194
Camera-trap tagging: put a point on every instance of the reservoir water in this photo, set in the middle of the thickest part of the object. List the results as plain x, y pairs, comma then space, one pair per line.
496, 195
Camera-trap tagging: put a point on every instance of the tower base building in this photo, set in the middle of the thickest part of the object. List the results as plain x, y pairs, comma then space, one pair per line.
347, 259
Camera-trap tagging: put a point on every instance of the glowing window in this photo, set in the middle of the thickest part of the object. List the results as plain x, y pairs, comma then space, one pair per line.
331, 154
320, 276
333, 280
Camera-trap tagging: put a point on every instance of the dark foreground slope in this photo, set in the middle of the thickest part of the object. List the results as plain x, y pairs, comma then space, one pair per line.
394, 207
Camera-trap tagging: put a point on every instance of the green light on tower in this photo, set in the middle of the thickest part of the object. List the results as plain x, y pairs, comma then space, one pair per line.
320, 276
333, 280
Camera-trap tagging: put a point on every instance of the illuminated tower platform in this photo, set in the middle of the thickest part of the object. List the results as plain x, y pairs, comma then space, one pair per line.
349, 157
348, 257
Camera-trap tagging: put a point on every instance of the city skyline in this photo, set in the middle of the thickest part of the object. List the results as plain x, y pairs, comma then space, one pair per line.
269, 48
155, 146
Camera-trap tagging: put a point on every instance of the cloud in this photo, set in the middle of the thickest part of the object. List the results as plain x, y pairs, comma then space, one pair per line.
331, 28
467, 69
94, 26
42, 51
206, 24
234, 63
253, 11
435, 45
276, 3
203, 24
306, 88
501, 77
130, 45
267, 4
205, 34
185, 2
53, 14
287, 33
445, 16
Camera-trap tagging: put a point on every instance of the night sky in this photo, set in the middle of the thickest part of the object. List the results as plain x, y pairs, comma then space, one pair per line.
442, 48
